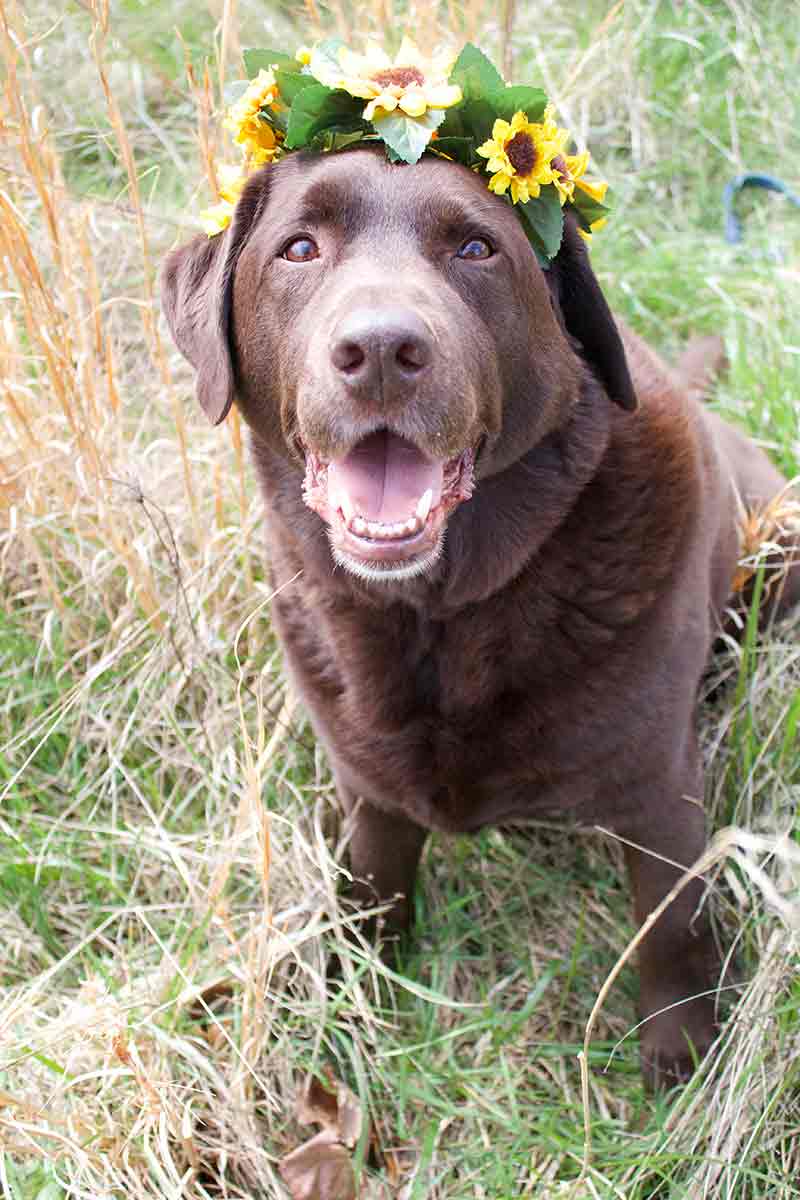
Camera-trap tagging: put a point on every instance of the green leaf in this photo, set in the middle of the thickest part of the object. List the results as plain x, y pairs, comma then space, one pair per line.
587, 209
475, 74
543, 221
408, 137
508, 100
278, 120
479, 119
262, 60
461, 149
472, 119
453, 125
486, 98
338, 137
316, 108
291, 83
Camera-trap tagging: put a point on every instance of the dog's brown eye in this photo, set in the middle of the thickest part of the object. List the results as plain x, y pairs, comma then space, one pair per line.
475, 248
301, 250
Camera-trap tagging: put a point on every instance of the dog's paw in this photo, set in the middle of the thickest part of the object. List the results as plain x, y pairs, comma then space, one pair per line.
674, 1042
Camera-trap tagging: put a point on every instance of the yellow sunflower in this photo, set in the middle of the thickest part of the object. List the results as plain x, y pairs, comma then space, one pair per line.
230, 180
520, 154
250, 130
569, 170
410, 83
217, 218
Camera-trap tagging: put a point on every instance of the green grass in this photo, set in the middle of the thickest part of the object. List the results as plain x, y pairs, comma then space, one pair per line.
162, 993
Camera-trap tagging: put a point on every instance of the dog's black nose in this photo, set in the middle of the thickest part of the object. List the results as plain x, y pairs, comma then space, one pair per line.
386, 347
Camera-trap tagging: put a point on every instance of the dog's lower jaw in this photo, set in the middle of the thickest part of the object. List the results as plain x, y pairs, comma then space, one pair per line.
381, 551
387, 572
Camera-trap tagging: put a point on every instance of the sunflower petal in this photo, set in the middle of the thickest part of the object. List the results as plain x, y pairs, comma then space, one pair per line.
519, 191
213, 220
364, 89
499, 163
413, 102
499, 183
596, 189
381, 105
374, 59
443, 95
230, 181
577, 163
565, 188
408, 55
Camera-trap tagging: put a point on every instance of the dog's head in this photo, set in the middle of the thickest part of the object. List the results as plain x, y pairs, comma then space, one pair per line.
387, 328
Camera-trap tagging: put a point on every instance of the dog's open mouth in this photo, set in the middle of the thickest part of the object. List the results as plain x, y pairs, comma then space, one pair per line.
386, 502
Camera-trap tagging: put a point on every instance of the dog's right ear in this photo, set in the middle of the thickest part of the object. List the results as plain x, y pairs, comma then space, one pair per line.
197, 295
576, 295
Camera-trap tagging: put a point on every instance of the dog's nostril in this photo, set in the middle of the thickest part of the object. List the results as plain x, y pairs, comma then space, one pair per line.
412, 355
383, 346
347, 356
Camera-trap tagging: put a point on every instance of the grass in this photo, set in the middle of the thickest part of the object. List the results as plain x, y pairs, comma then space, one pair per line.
168, 834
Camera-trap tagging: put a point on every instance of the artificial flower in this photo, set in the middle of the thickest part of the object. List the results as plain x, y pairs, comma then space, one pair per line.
569, 170
410, 82
519, 154
215, 219
245, 121
231, 178
402, 99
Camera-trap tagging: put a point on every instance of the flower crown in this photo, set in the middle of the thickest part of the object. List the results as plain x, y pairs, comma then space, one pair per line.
328, 98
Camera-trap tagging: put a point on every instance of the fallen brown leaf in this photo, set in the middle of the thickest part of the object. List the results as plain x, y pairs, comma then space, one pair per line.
322, 1169
338, 1110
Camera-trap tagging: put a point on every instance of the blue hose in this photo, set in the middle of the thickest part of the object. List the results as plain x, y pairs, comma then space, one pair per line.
733, 226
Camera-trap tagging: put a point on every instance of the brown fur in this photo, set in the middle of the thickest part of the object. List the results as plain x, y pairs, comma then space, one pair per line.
548, 663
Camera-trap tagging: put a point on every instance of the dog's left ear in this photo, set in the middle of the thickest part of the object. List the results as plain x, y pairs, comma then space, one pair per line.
197, 297
577, 298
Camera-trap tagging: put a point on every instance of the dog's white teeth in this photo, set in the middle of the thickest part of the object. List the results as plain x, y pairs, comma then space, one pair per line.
384, 530
424, 506
346, 506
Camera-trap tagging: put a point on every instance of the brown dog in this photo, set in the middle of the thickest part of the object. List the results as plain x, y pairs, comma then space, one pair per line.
510, 573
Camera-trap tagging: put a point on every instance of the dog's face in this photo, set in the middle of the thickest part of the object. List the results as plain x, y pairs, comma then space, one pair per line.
388, 329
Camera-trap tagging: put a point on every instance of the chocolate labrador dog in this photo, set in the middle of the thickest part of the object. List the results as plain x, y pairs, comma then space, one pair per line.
512, 529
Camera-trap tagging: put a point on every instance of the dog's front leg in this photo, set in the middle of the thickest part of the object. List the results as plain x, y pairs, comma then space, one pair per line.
384, 850
678, 961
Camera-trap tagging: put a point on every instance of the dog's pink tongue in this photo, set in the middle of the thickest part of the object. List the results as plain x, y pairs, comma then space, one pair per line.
383, 478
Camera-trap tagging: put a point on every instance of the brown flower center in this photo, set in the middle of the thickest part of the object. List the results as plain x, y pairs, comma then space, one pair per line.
522, 153
559, 165
400, 76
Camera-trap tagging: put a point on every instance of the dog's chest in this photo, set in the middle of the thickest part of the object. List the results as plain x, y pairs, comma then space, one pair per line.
458, 722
